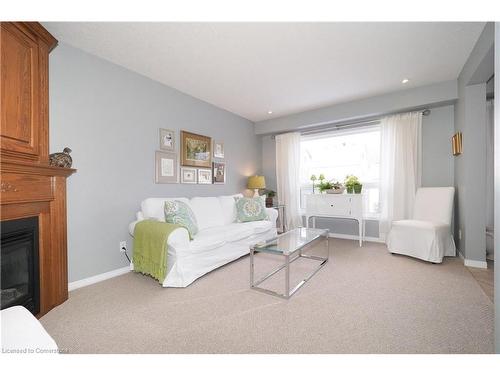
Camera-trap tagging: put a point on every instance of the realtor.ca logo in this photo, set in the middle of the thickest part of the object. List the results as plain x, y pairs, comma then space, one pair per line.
34, 351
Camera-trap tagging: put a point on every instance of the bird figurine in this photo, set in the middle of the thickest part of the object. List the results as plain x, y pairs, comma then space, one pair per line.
61, 159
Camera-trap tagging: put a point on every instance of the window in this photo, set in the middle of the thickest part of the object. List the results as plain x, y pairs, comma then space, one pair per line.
339, 153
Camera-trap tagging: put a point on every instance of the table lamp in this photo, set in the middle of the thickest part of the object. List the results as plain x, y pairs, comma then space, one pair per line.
256, 183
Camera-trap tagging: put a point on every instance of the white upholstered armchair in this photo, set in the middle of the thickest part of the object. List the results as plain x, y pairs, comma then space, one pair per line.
427, 235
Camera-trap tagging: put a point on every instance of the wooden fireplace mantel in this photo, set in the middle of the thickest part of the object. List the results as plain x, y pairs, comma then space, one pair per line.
29, 186
28, 168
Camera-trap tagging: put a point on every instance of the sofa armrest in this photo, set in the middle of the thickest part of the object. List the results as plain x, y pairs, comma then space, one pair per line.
273, 214
131, 227
179, 239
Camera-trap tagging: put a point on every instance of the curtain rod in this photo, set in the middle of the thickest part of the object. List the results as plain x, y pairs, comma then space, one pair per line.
329, 127
359, 124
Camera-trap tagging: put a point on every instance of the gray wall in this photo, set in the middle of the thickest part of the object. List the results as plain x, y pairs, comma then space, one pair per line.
497, 193
470, 166
475, 165
109, 117
437, 160
437, 94
437, 164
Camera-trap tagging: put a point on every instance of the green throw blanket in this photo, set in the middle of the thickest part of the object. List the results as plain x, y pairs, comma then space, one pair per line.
150, 247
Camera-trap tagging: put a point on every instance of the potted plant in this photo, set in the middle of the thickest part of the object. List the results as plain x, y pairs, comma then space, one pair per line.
323, 186
270, 194
352, 184
313, 178
357, 188
337, 188
329, 187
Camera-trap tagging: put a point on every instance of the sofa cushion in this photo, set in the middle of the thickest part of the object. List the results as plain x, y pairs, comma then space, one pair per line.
228, 205
154, 207
237, 231
258, 227
212, 238
177, 212
250, 209
207, 239
208, 212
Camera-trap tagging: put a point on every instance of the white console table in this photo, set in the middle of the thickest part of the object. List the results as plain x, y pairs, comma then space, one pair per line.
342, 206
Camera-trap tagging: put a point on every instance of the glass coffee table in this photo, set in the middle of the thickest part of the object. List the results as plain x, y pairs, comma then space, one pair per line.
290, 245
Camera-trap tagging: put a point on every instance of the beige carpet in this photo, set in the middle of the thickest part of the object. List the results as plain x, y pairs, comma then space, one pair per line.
363, 301
485, 278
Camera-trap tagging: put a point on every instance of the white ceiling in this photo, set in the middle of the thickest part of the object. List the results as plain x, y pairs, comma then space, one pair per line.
251, 68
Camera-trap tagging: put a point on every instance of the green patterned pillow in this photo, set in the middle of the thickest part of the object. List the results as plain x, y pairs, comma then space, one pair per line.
177, 212
250, 209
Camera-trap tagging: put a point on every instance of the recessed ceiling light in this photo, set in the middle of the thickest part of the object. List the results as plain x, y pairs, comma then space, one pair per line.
270, 112
406, 80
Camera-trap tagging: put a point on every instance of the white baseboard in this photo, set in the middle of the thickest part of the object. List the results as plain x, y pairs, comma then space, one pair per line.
97, 278
356, 238
473, 263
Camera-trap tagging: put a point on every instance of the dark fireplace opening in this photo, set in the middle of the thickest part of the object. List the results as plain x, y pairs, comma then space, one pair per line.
20, 265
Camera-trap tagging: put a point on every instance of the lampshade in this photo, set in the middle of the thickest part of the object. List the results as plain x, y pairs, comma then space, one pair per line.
256, 182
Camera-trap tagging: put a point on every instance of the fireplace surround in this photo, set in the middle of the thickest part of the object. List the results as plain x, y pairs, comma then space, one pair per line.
19, 264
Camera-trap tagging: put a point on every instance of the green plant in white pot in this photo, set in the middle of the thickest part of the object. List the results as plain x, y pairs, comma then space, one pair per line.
357, 188
352, 184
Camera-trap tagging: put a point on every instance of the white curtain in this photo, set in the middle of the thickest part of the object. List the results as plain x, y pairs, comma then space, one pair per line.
288, 177
400, 167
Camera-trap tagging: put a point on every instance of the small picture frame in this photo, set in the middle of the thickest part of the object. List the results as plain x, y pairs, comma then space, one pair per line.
219, 172
204, 176
218, 150
166, 168
188, 175
167, 139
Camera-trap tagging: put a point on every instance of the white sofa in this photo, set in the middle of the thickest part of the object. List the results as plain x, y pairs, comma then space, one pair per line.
220, 239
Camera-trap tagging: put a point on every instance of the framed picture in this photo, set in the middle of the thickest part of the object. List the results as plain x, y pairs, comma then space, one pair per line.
219, 172
188, 175
167, 139
196, 150
204, 176
166, 168
218, 150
